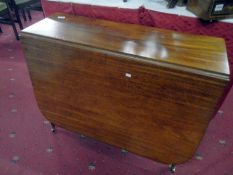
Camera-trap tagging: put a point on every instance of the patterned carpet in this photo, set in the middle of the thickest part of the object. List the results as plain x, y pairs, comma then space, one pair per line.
27, 147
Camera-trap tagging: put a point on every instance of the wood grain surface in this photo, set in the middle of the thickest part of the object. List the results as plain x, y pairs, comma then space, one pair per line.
195, 51
87, 79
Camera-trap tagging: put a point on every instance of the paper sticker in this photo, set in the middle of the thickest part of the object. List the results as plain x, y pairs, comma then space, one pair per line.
218, 7
61, 17
128, 75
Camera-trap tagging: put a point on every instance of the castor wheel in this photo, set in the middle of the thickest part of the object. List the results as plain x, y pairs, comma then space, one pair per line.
53, 128
172, 168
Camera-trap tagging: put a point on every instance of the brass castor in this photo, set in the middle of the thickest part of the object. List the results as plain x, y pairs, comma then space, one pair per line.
53, 129
172, 168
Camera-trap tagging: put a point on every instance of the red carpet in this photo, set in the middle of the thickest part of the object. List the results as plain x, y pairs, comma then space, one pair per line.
27, 147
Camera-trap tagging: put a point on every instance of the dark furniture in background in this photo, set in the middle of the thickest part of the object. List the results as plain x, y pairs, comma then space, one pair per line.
20, 6
173, 3
211, 9
10, 12
6, 17
145, 91
35, 6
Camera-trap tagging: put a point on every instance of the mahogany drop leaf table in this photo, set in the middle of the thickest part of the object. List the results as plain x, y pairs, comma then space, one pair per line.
150, 91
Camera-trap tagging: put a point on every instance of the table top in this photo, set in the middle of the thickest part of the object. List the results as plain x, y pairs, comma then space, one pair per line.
204, 53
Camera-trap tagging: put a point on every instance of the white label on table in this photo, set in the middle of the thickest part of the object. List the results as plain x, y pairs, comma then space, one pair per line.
128, 75
61, 17
218, 7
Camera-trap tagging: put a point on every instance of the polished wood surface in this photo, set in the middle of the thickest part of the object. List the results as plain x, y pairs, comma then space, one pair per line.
149, 91
211, 9
199, 52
